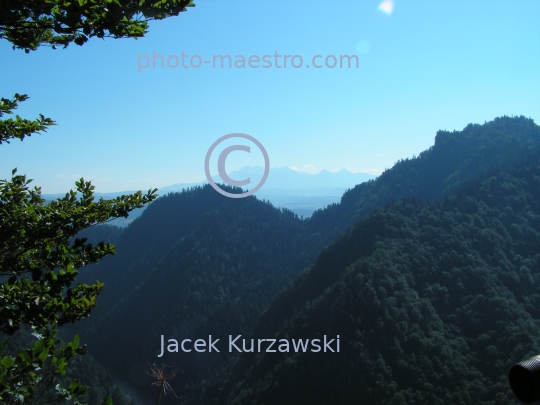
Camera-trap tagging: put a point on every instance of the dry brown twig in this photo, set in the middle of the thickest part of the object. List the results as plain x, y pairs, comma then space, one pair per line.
161, 376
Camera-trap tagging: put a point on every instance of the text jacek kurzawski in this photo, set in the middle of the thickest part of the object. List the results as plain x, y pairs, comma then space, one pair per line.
236, 344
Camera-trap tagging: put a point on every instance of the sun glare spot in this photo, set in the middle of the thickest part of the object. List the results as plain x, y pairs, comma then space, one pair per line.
362, 46
386, 6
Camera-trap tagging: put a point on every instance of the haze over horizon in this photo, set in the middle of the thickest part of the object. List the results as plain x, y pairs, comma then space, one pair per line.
280, 179
417, 74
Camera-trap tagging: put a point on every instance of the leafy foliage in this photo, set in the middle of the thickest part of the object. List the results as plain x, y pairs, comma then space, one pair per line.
21, 373
38, 266
31, 24
18, 127
40, 253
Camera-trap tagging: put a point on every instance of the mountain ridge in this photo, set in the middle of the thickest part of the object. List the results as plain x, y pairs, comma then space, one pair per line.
415, 277
406, 179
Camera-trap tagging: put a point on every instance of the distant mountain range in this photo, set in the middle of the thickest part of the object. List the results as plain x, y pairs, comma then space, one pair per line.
285, 179
301, 192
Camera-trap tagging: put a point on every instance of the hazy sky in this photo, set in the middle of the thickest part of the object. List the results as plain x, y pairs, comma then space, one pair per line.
423, 66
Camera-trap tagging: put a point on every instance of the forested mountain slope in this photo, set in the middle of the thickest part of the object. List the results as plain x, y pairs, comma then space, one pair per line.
455, 157
215, 281
146, 240
199, 263
432, 302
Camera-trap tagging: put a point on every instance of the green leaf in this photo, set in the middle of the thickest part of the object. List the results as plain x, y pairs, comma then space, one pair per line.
25, 357
76, 341
38, 348
43, 355
7, 362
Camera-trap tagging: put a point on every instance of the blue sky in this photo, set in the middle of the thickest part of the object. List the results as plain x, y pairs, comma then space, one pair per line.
428, 65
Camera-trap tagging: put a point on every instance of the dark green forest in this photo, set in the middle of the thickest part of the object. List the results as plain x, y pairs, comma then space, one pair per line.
432, 301
429, 274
